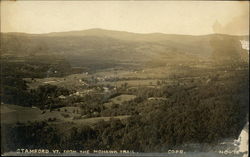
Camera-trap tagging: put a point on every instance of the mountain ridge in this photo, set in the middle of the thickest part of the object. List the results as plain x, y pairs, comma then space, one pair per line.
125, 46
117, 31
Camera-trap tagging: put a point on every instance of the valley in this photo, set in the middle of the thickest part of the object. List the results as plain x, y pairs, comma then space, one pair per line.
98, 89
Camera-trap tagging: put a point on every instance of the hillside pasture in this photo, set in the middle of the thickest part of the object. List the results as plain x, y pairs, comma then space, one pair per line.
11, 114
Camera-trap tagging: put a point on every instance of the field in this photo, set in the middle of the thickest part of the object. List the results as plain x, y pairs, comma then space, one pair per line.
11, 114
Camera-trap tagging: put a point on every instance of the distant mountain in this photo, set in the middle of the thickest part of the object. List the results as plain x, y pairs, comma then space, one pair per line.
117, 46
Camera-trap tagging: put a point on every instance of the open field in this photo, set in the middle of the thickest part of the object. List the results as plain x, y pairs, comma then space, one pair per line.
11, 114
122, 98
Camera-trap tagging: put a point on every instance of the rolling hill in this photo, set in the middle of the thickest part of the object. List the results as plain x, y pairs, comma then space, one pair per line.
108, 46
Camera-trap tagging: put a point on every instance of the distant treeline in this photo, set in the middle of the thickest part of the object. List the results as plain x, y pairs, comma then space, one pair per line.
14, 89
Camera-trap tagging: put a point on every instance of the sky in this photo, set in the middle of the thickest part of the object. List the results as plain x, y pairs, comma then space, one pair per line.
170, 17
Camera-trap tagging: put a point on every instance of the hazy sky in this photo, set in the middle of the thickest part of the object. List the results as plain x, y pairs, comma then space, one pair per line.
181, 17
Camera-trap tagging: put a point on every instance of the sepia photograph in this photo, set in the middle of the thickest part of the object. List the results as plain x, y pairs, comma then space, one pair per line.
124, 78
